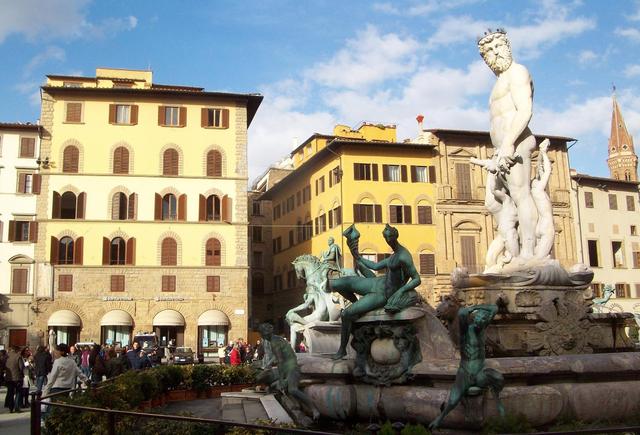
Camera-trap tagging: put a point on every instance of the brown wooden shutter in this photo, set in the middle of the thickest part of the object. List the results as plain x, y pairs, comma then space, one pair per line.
403, 173
112, 113
468, 250
131, 251
131, 212
182, 207
414, 173
356, 172
183, 116
22, 180
115, 206
78, 250
134, 115
171, 162
105, 251
406, 214
330, 218
12, 231
385, 173
55, 212
225, 118
70, 159
463, 181
37, 184
392, 214
213, 283
20, 277
169, 252
74, 112
227, 209
432, 174
161, 115
33, 232
375, 171
27, 147
204, 117
157, 212
330, 178
82, 200
378, 213
55, 246
356, 213
121, 161
202, 208
428, 264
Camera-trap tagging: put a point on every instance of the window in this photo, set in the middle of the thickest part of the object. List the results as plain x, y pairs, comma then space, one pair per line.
613, 201
257, 259
277, 245
169, 207
633, 230
622, 290
123, 114
65, 250
215, 118
257, 282
256, 234
70, 159
468, 253
592, 246
427, 264
618, 254
27, 147
213, 283
306, 194
307, 231
394, 173
588, 199
367, 213
213, 253
365, 171
292, 241
65, 283
68, 206
425, 216
19, 280
23, 231
213, 208
169, 252
636, 258
276, 212
214, 164
168, 283
256, 208
370, 257
170, 162
74, 112
290, 203
419, 174
291, 279
320, 185
335, 217
121, 161
631, 205
29, 183
117, 283
399, 214
119, 206
463, 179
335, 175
172, 116
321, 223
117, 251
277, 282
72, 84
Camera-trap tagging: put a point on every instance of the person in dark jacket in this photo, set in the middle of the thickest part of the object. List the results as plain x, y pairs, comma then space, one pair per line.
15, 370
3, 365
96, 362
115, 365
133, 355
43, 364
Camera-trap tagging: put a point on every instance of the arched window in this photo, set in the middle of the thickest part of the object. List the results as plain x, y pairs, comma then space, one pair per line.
213, 208
627, 176
170, 160
214, 164
213, 253
169, 252
70, 158
65, 251
68, 205
121, 161
169, 207
119, 206
117, 251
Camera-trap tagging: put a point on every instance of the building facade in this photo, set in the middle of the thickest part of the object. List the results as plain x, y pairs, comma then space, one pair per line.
143, 211
20, 184
361, 176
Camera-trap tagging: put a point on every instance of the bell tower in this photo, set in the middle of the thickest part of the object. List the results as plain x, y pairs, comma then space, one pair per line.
623, 161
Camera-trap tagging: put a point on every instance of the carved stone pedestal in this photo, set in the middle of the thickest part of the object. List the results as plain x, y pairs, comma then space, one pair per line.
323, 337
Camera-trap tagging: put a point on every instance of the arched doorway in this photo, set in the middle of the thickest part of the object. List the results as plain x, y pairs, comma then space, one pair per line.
169, 327
66, 326
213, 328
115, 328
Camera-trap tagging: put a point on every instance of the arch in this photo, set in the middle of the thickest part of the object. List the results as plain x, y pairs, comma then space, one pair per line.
79, 162
64, 318
118, 233
174, 236
112, 155
169, 189
117, 251
213, 318
116, 318
120, 163
169, 207
180, 162
21, 259
222, 159
213, 208
169, 252
366, 198
395, 199
119, 206
423, 199
214, 163
66, 247
467, 225
66, 233
214, 191
213, 252
425, 248
70, 188
68, 205
168, 318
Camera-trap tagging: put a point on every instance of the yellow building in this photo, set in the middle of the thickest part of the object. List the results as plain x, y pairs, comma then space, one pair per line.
363, 176
143, 212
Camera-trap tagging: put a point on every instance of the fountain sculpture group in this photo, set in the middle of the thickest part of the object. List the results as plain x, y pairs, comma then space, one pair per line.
403, 363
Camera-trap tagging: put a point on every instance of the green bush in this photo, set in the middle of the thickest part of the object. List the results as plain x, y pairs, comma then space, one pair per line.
510, 423
149, 384
201, 377
414, 429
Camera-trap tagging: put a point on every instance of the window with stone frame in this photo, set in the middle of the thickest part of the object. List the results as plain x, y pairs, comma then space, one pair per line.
27, 148
70, 159
65, 282
19, 280
168, 283
425, 216
73, 112
117, 283
256, 234
170, 162
214, 163
213, 252
622, 290
631, 203
28, 183
588, 199
400, 214
214, 118
213, 283
613, 201
291, 279
121, 160
169, 252
427, 264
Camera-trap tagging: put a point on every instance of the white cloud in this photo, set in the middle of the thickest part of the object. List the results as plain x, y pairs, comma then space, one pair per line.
367, 59
31, 89
456, 29
587, 56
635, 16
630, 33
421, 8
632, 70
50, 53
53, 19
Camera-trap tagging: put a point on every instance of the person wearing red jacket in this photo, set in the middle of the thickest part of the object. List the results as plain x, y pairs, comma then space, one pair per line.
234, 356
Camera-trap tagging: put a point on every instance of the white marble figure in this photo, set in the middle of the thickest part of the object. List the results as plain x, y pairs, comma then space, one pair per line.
524, 217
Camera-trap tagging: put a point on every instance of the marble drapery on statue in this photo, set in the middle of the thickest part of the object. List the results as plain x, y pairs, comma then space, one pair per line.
520, 206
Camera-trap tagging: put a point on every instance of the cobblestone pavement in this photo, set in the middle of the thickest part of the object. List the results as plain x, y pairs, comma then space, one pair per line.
13, 424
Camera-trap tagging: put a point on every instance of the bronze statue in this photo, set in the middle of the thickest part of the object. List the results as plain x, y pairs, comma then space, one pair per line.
473, 376
394, 291
286, 377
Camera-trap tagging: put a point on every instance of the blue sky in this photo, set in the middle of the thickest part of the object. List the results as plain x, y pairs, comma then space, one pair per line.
319, 63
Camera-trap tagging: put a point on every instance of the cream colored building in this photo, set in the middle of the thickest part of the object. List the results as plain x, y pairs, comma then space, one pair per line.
20, 184
143, 215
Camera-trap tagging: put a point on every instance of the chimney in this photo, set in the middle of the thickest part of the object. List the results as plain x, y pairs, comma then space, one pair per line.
420, 118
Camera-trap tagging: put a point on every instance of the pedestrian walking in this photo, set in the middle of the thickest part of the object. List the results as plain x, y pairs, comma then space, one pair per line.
28, 376
14, 373
43, 364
